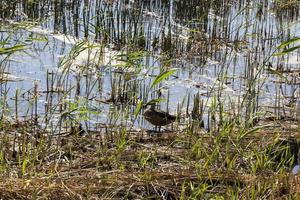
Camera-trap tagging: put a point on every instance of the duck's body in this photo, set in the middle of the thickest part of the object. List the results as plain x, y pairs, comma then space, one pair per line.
158, 117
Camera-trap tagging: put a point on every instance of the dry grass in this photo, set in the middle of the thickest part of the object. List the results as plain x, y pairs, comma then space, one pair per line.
170, 165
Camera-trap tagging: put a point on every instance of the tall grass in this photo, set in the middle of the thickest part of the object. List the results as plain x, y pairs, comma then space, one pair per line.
89, 139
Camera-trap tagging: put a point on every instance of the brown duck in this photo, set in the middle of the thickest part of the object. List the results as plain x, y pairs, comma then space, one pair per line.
158, 117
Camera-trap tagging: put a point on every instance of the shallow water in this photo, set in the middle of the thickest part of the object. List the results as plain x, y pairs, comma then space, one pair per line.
213, 46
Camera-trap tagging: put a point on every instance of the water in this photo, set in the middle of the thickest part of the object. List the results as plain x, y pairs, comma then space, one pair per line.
296, 169
217, 49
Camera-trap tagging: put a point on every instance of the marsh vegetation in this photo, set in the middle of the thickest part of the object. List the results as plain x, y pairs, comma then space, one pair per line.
76, 78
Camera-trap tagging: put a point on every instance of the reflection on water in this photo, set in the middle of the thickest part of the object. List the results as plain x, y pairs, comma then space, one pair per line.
222, 51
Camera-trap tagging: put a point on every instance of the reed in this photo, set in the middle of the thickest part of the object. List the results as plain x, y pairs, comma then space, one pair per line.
77, 130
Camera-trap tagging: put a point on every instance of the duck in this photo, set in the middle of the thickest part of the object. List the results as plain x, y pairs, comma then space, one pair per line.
158, 117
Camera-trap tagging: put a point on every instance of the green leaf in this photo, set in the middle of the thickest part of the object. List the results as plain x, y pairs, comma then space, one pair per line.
37, 39
138, 108
2, 43
286, 43
286, 51
162, 76
17, 47
254, 130
154, 101
24, 165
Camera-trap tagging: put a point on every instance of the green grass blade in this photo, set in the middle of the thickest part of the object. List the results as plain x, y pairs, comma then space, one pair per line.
138, 109
286, 43
162, 76
286, 51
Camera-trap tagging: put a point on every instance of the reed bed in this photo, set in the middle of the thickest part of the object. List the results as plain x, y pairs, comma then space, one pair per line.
225, 69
